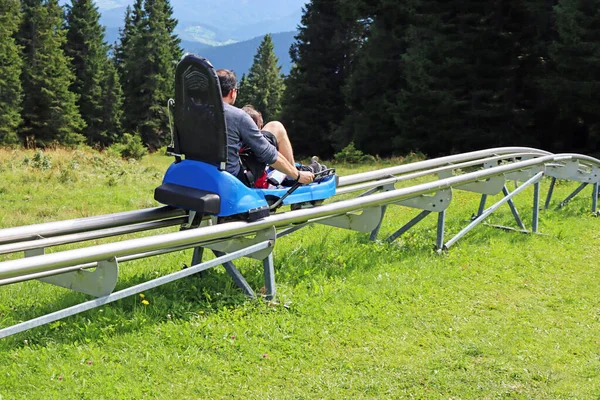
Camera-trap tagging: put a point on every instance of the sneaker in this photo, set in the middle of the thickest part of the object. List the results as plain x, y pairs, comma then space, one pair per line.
305, 168
313, 167
315, 160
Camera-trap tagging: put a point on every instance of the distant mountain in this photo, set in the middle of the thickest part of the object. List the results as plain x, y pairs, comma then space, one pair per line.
216, 22
227, 32
239, 56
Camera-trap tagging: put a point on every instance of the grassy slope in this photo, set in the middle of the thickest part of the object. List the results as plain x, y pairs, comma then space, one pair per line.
502, 315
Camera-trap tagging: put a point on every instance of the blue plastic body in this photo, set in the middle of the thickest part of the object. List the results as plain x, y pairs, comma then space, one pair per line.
237, 198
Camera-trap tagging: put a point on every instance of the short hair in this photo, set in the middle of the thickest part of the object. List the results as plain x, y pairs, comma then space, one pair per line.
227, 81
254, 114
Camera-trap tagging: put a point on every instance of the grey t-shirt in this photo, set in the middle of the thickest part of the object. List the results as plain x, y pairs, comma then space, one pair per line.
241, 130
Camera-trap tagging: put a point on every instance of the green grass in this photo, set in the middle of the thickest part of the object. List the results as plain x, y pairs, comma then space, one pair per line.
501, 315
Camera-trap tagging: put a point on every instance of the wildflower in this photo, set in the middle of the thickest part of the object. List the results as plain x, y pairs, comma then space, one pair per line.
142, 295
145, 302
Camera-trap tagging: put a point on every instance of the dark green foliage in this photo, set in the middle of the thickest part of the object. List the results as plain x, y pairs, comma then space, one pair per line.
351, 155
378, 78
112, 104
95, 79
263, 86
146, 59
573, 82
245, 94
50, 111
10, 69
129, 147
314, 104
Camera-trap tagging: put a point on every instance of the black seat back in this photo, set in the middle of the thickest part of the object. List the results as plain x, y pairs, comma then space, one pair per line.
200, 131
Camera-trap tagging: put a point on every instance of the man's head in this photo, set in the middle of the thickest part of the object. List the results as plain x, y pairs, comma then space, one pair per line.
254, 114
228, 83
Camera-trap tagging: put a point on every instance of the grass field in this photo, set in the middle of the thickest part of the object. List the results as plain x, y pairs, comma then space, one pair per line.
501, 315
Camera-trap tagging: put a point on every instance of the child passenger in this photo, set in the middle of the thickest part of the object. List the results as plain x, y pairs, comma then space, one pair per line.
275, 178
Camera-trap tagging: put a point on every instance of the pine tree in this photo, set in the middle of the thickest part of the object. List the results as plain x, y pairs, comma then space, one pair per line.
93, 72
573, 80
314, 103
10, 69
379, 76
50, 111
264, 84
440, 77
112, 105
150, 51
125, 33
245, 93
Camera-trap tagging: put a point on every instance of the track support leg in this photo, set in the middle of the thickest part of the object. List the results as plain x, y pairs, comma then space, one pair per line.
236, 275
375, 231
595, 198
269, 273
439, 242
513, 209
408, 225
536, 207
549, 195
571, 196
481, 205
536, 178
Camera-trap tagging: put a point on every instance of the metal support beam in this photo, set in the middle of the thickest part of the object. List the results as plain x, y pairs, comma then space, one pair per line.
595, 198
513, 209
236, 275
269, 273
481, 205
375, 231
571, 196
493, 208
536, 207
550, 192
408, 225
439, 243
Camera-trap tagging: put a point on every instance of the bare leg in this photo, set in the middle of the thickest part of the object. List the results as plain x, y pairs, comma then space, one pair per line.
285, 147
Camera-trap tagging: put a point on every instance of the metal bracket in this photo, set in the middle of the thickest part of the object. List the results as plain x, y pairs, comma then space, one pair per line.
571, 171
191, 223
98, 282
238, 243
438, 202
524, 175
364, 222
490, 186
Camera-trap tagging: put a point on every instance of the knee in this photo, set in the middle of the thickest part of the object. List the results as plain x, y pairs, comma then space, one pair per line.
276, 128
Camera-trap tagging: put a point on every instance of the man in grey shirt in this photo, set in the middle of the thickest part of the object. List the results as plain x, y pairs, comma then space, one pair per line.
270, 146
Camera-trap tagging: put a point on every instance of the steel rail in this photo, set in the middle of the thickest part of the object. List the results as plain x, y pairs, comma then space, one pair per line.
58, 228
449, 167
435, 162
90, 235
48, 262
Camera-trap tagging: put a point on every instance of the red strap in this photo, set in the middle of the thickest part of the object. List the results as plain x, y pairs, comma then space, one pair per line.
261, 181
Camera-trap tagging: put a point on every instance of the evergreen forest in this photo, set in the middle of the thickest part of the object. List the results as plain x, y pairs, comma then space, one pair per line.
386, 76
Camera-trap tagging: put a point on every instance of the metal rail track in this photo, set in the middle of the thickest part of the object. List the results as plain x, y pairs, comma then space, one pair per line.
490, 169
